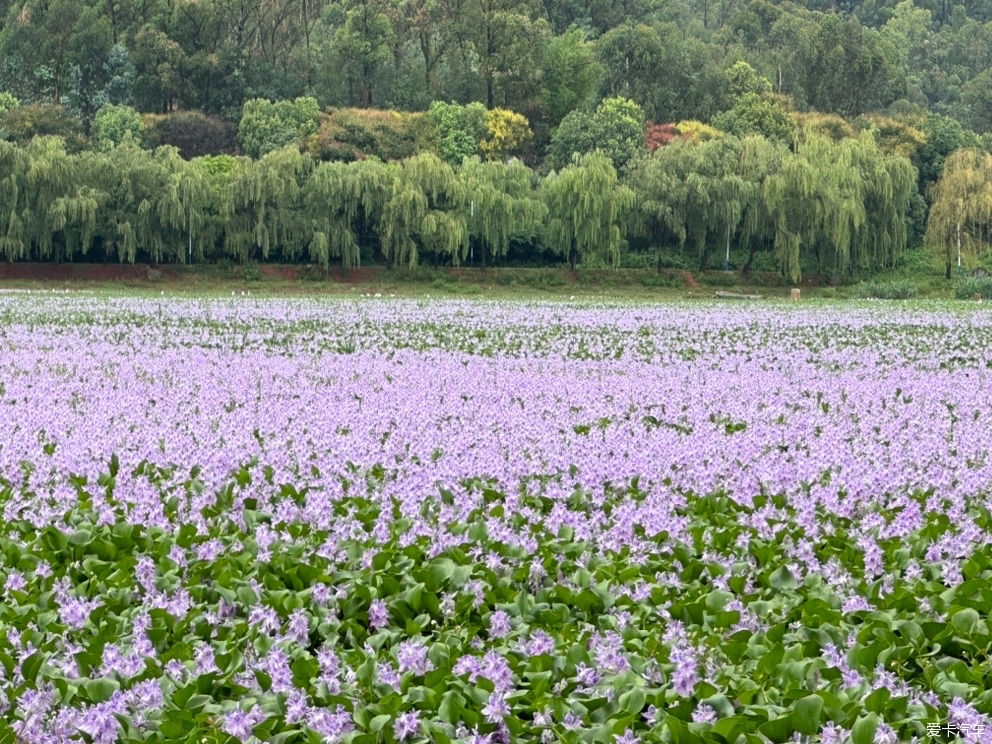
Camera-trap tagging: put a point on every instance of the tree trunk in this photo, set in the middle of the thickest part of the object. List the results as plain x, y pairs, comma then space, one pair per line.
482, 255
752, 249
573, 258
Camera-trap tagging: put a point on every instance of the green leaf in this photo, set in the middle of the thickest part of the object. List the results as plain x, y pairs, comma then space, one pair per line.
782, 580
379, 722
778, 729
632, 701
965, 620
31, 666
864, 729
101, 690
806, 714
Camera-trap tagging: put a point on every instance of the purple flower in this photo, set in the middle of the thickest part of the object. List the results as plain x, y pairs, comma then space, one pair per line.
629, 737
412, 657
407, 725
378, 614
239, 723
499, 624
496, 709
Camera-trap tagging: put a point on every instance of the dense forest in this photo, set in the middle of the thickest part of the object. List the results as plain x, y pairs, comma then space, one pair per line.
828, 137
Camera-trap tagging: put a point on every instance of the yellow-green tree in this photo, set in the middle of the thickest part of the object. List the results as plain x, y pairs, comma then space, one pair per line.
506, 134
961, 209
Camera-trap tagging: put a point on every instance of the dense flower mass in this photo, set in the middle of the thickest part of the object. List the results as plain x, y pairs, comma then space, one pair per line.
453, 521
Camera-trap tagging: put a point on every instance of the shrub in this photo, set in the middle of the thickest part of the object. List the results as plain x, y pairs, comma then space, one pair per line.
543, 278
23, 123
967, 288
902, 289
349, 134
193, 133
114, 125
719, 279
662, 280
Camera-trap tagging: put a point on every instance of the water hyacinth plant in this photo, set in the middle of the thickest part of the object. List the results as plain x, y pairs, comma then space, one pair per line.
301, 521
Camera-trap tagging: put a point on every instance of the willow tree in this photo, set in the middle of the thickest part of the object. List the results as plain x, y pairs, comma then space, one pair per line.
423, 212
790, 196
14, 165
188, 203
888, 184
837, 197
758, 160
503, 206
263, 208
587, 210
136, 214
961, 209
60, 207
695, 193
340, 200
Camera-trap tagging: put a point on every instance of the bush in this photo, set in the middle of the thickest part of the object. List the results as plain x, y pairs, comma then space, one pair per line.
894, 290
349, 134
193, 133
719, 279
23, 123
250, 272
966, 289
543, 278
662, 280
114, 125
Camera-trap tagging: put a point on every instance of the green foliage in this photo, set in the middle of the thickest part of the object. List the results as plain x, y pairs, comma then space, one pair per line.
615, 129
962, 207
7, 102
193, 133
354, 134
889, 290
116, 124
458, 130
506, 133
571, 75
587, 210
267, 126
968, 288
23, 123
756, 114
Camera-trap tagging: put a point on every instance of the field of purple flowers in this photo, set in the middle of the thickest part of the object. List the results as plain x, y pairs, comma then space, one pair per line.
390, 521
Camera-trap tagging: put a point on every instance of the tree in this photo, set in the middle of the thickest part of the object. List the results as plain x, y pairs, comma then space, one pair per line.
7, 102
672, 76
506, 133
845, 68
363, 43
587, 210
424, 213
458, 130
570, 76
961, 208
976, 95
341, 200
24, 123
507, 38
266, 126
694, 193
755, 114
616, 129
115, 124
503, 206
262, 209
